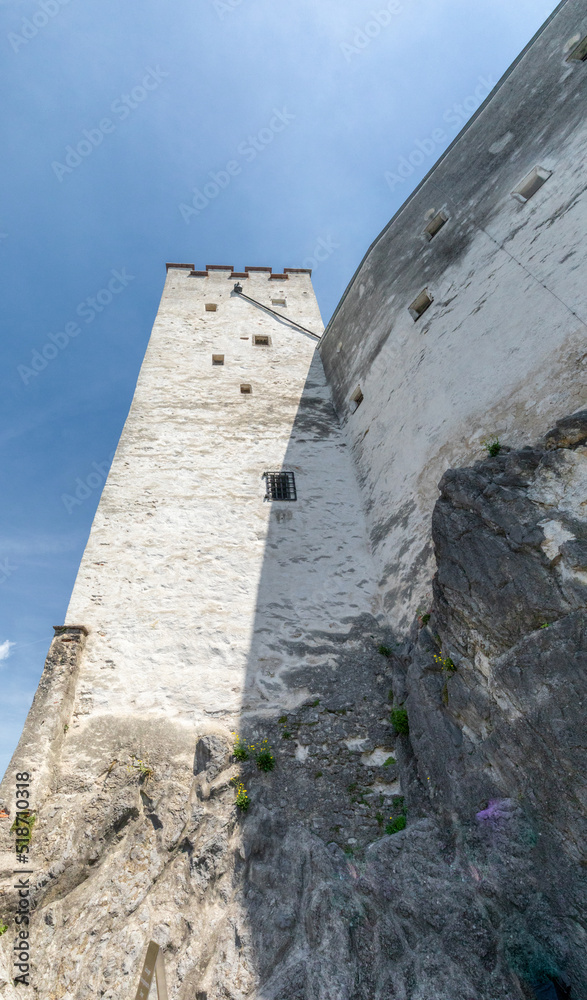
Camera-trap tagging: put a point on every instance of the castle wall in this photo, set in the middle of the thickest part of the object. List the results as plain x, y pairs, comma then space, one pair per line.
501, 350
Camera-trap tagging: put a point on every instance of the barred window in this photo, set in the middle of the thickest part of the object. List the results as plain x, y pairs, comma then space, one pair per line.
280, 486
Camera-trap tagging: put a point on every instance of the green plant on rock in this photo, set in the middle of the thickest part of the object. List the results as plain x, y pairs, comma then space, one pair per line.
23, 827
384, 650
400, 721
264, 758
397, 821
492, 446
242, 798
241, 750
423, 616
389, 762
395, 825
3, 928
446, 663
145, 770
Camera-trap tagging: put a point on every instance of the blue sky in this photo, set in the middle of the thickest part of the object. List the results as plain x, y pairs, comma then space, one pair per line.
312, 102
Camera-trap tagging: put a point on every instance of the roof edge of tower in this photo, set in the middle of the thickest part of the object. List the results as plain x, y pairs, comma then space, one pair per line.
278, 276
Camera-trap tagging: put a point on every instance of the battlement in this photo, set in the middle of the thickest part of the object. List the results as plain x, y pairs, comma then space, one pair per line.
280, 276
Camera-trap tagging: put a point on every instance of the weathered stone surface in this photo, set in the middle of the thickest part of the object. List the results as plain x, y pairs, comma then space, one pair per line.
305, 897
497, 746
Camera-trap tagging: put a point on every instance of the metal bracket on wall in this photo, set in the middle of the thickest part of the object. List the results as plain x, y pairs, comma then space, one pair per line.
153, 965
238, 288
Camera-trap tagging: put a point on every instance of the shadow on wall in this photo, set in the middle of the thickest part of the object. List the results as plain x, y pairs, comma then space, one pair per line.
338, 899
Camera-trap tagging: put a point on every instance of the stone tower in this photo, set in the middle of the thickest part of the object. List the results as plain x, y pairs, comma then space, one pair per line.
189, 619
226, 584
387, 594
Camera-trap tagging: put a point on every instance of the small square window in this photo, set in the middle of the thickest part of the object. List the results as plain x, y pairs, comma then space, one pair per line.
261, 340
278, 302
420, 304
246, 390
531, 184
435, 225
356, 399
218, 359
579, 53
211, 307
280, 486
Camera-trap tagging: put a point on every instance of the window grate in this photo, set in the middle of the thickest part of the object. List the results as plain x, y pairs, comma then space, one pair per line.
280, 486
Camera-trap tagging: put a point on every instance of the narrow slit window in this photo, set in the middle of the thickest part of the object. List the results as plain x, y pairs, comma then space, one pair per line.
579, 53
278, 302
435, 225
218, 359
280, 486
246, 390
260, 340
211, 307
356, 399
420, 304
531, 184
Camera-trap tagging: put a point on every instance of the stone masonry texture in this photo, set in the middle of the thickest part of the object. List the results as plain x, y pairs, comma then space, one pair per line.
334, 748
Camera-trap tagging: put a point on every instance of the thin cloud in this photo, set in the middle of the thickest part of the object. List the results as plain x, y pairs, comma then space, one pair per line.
5, 648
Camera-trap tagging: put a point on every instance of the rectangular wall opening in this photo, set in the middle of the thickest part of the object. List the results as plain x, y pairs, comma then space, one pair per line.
218, 359
246, 390
280, 486
420, 304
261, 340
278, 302
435, 225
211, 307
356, 399
579, 53
531, 184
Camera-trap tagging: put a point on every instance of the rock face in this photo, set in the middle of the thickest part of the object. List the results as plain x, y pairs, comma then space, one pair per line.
304, 896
